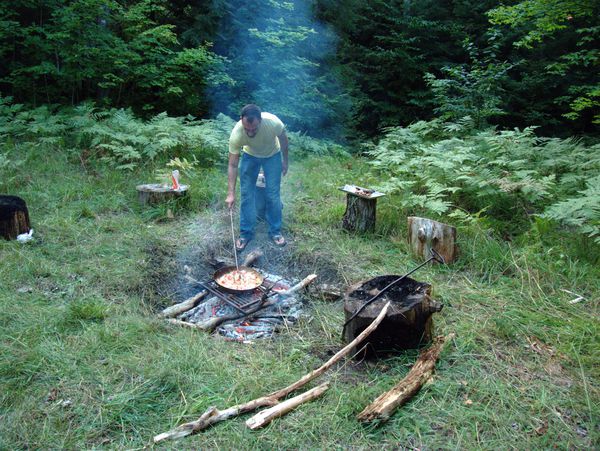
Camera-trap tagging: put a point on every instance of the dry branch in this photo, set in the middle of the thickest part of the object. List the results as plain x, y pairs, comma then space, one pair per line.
213, 415
264, 417
383, 407
184, 306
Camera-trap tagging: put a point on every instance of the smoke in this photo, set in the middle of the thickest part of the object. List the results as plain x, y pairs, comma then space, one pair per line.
279, 58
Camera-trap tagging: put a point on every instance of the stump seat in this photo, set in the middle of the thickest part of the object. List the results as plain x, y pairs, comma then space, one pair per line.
14, 217
408, 323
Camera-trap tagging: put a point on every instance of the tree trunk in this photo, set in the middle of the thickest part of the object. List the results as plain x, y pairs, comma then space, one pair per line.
360, 214
408, 323
425, 234
14, 217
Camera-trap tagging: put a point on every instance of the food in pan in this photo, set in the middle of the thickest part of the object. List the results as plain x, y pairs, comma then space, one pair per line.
240, 279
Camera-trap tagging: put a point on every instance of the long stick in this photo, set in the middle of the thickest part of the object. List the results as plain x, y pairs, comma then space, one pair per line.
213, 415
385, 404
233, 240
264, 417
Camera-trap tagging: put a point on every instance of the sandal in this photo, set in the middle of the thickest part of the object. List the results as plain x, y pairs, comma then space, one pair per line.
278, 240
241, 244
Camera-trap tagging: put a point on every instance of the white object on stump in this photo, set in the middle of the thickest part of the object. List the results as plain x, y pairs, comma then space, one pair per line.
426, 234
156, 193
361, 208
14, 217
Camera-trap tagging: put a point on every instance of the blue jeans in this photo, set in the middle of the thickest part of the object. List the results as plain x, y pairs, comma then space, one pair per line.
249, 168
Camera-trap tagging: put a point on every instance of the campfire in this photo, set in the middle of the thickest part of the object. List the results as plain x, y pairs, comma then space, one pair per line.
240, 314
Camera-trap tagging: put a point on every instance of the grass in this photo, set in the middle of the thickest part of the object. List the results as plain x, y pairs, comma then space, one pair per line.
85, 363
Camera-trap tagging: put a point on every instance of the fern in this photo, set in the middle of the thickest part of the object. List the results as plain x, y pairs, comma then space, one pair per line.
506, 174
581, 212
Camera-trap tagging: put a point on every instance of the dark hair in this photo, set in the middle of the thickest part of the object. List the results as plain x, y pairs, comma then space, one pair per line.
251, 112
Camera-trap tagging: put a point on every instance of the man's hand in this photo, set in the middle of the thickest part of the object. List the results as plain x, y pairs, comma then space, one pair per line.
230, 201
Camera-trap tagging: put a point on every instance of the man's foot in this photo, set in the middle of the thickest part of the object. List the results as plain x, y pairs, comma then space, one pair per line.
278, 240
241, 244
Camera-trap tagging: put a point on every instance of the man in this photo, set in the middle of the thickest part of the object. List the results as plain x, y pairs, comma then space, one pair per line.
261, 141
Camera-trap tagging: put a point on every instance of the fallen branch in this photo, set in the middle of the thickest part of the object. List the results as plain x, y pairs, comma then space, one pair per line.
264, 417
213, 415
383, 407
184, 306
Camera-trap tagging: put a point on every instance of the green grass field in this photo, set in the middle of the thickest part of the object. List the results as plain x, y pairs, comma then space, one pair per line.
85, 362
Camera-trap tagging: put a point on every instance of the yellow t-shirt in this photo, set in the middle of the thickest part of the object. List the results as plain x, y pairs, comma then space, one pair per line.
264, 144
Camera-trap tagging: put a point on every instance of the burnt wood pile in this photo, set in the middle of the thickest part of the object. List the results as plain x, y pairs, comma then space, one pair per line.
408, 323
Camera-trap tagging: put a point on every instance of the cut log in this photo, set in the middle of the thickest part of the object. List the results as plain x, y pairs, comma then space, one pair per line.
360, 214
213, 415
264, 417
14, 217
154, 193
425, 234
409, 323
383, 407
361, 206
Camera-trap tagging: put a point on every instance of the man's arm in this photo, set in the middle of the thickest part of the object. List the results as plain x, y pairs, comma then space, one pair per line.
283, 142
232, 170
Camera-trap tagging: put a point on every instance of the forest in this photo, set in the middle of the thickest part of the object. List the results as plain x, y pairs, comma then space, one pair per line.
481, 115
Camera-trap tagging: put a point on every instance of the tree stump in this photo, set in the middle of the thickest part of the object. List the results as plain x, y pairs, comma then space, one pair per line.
425, 234
154, 193
14, 217
361, 208
408, 323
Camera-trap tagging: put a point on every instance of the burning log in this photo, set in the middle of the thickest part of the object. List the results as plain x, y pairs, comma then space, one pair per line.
426, 234
14, 217
184, 306
383, 407
264, 417
213, 415
409, 323
154, 193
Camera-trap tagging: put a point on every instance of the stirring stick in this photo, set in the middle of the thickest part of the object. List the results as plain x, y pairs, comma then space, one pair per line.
237, 267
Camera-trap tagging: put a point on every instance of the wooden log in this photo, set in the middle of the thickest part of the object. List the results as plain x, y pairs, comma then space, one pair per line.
220, 261
213, 415
155, 193
264, 417
360, 214
328, 292
383, 407
425, 234
184, 306
14, 217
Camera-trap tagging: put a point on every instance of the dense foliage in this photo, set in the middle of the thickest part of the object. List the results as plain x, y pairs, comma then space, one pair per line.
321, 64
506, 176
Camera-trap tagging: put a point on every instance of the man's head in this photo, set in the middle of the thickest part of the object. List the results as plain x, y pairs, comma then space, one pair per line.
251, 118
